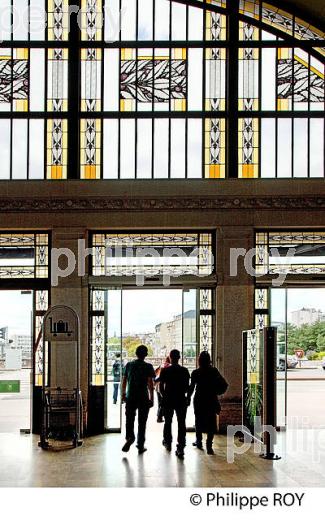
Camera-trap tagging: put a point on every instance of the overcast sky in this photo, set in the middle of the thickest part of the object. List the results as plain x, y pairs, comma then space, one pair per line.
143, 309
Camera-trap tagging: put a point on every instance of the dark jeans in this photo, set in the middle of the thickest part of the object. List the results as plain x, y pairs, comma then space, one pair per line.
115, 392
130, 412
160, 411
210, 437
181, 422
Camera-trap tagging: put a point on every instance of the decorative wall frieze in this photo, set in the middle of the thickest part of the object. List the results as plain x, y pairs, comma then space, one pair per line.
160, 203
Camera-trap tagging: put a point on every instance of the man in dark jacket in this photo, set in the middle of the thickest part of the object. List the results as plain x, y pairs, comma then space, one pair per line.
137, 393
174, 385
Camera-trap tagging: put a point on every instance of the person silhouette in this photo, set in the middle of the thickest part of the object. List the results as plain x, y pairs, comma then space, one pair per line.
208, 383
174, 385
138, 395
116, 372
160, 411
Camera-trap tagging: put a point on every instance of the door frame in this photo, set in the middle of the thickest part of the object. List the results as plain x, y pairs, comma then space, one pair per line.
288, 284
100, 394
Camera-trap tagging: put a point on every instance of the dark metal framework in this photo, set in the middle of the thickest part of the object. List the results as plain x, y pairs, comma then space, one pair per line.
73, 113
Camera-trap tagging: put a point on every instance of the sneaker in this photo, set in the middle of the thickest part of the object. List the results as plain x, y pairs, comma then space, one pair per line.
167, 445
198, 445
127, 445
179, 453
210, 451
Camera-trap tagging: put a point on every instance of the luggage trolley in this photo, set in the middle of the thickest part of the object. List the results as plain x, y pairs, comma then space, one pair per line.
62, 409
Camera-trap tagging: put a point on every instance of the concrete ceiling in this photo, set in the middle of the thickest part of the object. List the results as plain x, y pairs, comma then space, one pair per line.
314, 9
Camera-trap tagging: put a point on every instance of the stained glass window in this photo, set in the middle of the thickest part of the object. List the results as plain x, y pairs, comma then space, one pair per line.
150, 254
41, 304
24, 255
145, 89
290, 252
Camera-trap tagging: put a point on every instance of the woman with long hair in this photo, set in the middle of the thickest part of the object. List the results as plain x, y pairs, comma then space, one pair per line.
208, 384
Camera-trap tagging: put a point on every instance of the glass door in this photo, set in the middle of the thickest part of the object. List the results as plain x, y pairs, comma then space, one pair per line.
190, 340
278, 306
162, 319
16, 318
114, 358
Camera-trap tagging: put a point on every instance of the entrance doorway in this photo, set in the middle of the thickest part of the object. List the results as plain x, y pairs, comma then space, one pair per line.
299, 315
16, 358
162, 319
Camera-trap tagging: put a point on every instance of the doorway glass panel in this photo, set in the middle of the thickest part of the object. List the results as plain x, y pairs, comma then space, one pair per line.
16, 318
299, 315
278, 302
115, 357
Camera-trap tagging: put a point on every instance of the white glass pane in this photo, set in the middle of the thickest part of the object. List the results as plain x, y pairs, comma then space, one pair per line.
110, 152
194, 133
112, 21
5, 104
178, 21
268, 79
127, 145
284, 148
316, 148
37, 80
36, 149
128, 19
195, 83
19, 149
300, 148
268, 148
111, 80
195, 23
177, 148
5, 17
161, 132
5, 148
162, 20
144, 151
145, 19
20, 19
37, 19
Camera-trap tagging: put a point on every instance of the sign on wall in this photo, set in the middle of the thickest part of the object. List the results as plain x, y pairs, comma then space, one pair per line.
61, 324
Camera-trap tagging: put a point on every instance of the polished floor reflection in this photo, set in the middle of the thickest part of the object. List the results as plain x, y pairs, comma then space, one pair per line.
100, 463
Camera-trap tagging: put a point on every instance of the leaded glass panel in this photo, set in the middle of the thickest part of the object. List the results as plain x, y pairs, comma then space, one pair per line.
23, 256
148, 87
172, 254
290, 252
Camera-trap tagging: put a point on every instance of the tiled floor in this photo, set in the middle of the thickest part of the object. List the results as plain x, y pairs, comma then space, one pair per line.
101, 463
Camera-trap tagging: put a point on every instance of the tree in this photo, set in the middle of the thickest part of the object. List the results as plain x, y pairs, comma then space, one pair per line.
306, 337
130, 344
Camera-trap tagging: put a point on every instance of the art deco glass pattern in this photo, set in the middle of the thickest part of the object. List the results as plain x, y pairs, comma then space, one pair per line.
253, 378
58, 20
41, 303
261, 308
215, 148
14, 79
291, 253
150, 88
57, 144
152, 254
207, 311
24, 256
153, 78
298, 83
248, 149
90, 148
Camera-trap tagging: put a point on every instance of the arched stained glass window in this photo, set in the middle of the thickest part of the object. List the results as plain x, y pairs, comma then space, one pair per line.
159, 89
